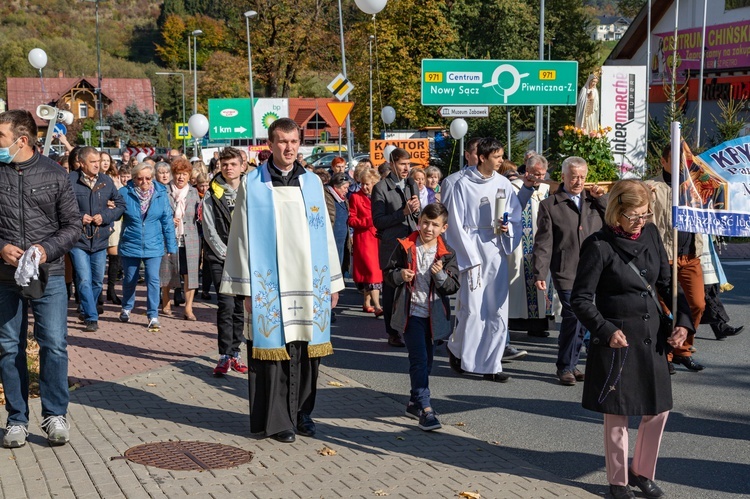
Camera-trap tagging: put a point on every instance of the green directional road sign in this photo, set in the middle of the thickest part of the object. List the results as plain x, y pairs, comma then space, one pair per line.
463, 82
229, 119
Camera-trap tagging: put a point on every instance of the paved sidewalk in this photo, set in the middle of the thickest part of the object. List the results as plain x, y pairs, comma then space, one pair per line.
135, 387
378, 450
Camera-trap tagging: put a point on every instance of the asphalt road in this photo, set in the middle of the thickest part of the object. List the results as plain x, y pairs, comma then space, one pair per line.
705, 452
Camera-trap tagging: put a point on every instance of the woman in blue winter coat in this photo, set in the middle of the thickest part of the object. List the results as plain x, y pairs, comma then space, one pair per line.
147, 227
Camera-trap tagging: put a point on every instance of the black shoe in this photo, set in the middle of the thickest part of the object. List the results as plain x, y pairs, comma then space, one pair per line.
286, 436
333, 317
648, 487
539, 334
91, 327
732, 331
687, 362
620, 492
497, 377
305, 425
99, 309
81, 317
205, 295
396, 341
671, 368
455, 362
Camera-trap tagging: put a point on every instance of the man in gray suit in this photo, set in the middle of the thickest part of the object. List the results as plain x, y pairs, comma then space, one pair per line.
395, 210
564, 221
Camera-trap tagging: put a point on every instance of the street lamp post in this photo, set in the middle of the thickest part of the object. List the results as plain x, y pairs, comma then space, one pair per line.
539, 109
195, 35
182, 76
372, 37
346, 99
99, 102
248, 15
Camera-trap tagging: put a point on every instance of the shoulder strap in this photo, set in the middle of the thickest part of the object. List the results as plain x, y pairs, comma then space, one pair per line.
645, 283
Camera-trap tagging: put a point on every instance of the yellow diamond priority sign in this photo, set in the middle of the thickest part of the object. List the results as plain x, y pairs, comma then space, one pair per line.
340, 87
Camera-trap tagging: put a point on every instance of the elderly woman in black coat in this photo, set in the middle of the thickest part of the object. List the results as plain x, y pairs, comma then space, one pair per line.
626, 367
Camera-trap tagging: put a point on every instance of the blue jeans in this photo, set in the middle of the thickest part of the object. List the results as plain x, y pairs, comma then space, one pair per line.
89, 274
419, 344
571, 335
130, 266
51, 332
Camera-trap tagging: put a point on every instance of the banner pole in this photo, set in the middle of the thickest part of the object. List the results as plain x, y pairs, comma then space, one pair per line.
676, 170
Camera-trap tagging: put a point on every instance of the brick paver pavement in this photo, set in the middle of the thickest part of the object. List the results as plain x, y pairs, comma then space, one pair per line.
142, 387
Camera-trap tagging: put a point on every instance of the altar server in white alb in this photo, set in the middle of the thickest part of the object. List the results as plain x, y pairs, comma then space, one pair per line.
282, 257
484, 226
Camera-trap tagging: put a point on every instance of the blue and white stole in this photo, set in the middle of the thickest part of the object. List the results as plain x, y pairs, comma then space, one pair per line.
269, 342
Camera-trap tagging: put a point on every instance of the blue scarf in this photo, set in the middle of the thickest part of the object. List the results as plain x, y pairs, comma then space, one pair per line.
268, 319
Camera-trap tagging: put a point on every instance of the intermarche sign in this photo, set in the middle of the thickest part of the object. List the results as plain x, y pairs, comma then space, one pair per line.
229, 119
466, 82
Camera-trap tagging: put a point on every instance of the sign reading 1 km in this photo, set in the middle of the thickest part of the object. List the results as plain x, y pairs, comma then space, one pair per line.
462, 82
230, 119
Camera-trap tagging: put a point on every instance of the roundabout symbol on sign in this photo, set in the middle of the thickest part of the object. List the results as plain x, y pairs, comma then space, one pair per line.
505, 92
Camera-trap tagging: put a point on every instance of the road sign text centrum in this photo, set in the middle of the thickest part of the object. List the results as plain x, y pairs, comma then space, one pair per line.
229, 119
465, 82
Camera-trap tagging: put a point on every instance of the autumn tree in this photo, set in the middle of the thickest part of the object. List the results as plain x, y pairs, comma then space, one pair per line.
172, 48
224, 76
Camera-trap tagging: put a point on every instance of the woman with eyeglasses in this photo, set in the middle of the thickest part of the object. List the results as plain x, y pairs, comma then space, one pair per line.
148, 232
622, 273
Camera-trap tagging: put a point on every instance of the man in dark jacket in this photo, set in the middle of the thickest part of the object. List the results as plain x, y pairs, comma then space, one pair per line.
93, 192
37, 208
395, 211
218, 206
564, 221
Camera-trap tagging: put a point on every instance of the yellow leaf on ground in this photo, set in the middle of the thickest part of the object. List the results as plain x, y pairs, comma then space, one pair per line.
381, 492
326, 451
470, 495
400, 438
151, 384
460, 423
335, 383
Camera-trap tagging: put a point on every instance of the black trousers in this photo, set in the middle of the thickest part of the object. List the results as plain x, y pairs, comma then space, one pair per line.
386, 297
230, 315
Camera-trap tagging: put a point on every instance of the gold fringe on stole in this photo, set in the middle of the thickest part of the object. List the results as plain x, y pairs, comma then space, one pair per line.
274, 354
726, 287
320, 350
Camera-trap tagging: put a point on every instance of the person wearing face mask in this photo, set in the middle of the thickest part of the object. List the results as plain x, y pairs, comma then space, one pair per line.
38, 208
564, 221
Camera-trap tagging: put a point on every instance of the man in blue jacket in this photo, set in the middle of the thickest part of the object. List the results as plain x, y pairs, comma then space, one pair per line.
93, 192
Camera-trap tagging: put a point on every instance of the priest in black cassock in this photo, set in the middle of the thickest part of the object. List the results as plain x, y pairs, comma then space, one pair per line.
282, 257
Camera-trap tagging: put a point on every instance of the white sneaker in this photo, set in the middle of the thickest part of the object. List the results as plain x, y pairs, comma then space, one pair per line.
125, 315
512, 353
57, 429
153, 325
15, 436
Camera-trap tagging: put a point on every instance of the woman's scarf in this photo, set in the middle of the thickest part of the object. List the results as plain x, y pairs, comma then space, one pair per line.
180, 203
621, 233
145, 198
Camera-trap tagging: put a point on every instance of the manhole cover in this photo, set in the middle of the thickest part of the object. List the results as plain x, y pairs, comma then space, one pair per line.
188, 456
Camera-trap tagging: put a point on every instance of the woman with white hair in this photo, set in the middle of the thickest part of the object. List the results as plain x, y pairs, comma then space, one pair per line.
148, 232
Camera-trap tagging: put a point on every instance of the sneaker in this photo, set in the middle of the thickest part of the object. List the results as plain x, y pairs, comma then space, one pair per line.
235, 363
412, 411
81, 317
125, 316
224, 365
57, 429
91, 327
15, 436
153, 325
512, 353
428, 421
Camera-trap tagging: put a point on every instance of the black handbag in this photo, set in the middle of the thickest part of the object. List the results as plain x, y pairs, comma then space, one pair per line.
666, 323
35, 288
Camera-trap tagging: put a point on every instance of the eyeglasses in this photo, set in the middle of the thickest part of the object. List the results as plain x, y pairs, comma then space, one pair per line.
638, 218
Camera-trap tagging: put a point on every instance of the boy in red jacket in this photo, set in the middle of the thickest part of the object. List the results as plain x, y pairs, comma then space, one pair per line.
424, 272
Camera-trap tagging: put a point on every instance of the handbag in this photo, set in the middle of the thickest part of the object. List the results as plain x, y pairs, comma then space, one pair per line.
35, 288
666, 323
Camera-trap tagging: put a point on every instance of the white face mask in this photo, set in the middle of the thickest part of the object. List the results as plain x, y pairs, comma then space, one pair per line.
5, 156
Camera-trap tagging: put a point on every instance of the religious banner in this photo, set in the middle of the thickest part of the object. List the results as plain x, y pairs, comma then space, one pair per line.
727, 47
419, 150
623, 110
715, 190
